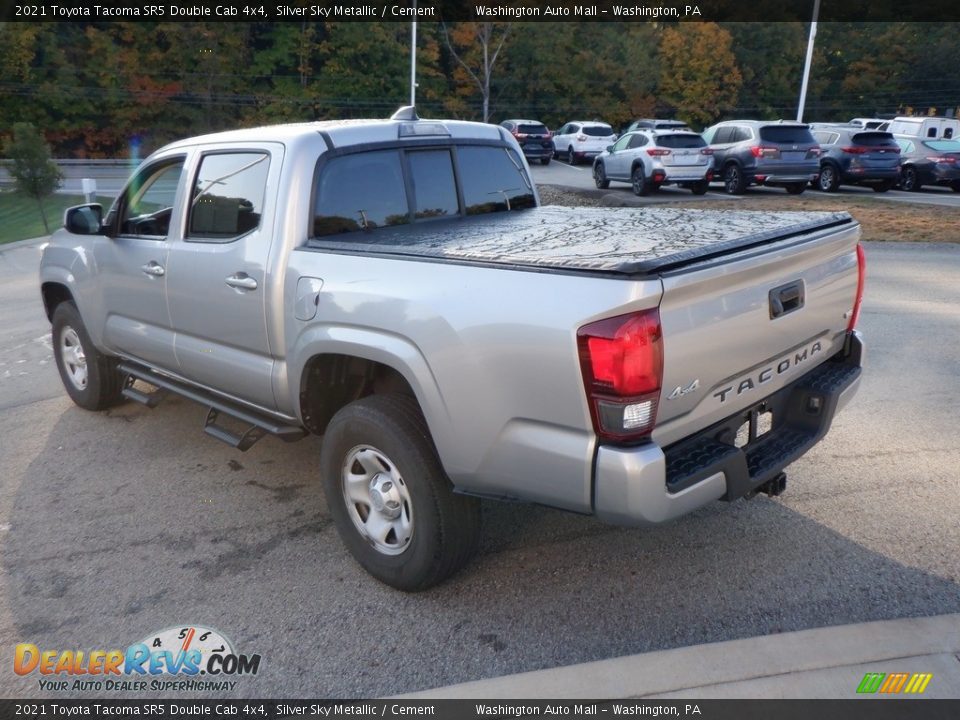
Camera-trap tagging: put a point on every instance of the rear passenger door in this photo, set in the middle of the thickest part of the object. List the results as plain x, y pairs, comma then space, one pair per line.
218, 288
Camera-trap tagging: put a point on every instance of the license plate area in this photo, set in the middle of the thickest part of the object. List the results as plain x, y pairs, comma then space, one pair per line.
758, 421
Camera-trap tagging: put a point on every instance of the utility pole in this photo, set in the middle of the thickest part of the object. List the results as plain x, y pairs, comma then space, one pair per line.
413, 60
806, 67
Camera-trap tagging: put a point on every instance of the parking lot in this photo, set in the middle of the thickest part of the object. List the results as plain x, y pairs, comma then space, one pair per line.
119, 524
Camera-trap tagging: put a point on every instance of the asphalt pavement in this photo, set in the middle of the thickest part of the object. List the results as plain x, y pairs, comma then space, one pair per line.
116, 525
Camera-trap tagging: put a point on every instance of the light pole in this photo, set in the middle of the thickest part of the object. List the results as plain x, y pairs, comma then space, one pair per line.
413, 60
806, 66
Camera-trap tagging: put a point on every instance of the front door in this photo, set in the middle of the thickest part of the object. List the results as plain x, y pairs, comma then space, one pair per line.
132, 264
217, 277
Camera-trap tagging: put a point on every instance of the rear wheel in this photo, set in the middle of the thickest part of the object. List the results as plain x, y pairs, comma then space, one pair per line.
795, 188
828, 180
388, 495
639, 183
571, 157
733, 181
91, 378
909, 180
700, 188
600, 176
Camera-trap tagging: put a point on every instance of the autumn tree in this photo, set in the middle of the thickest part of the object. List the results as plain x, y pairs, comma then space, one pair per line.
699, 78
34, 173
476, 47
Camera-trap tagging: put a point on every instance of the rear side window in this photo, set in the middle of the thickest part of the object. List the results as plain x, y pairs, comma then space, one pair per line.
873, 139
227, 197
950, 146
740, 134
598, 130
786, 134
360, 192
493, 180
434, 189
826, 138
680, 141
723, 135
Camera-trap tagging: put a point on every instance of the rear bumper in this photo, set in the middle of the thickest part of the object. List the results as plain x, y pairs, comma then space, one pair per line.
868, 175
784, 178
648, 485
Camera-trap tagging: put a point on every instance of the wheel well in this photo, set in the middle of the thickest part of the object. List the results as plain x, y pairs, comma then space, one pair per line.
54, 294
331, 381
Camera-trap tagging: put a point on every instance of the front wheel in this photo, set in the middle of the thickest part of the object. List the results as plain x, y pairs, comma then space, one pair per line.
91, 378
600, 177
389, 498
700, 187
545, 161
884, 186
795, 188
955, 186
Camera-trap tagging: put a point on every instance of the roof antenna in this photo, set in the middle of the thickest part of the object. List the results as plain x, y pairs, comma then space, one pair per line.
407, 112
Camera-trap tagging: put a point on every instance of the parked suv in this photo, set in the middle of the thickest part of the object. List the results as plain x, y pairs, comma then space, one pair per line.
778, 153
648, 159
534, 138
850, 155
582, 140
654, 124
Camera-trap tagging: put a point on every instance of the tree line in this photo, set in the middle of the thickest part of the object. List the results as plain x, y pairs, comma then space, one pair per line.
125, 88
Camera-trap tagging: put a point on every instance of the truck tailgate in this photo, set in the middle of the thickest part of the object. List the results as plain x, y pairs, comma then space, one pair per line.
740, 327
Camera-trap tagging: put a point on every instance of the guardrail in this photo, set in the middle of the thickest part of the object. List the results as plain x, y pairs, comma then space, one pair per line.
112, 171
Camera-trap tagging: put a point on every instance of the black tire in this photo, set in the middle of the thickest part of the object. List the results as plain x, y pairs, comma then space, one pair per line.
909, 180
733, 180
444, 527
571, 157
828, 180
545, 161
77, 357
795, 188
600, 176
700, 188
884, 186
640, 185
955, 186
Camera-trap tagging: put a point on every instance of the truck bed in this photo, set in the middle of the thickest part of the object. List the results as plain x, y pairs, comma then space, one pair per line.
627, 241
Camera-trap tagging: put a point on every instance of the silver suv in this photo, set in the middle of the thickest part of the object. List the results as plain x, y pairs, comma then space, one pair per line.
648, 159
758, 152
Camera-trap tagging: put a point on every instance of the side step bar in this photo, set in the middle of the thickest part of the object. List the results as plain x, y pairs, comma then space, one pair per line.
260, 424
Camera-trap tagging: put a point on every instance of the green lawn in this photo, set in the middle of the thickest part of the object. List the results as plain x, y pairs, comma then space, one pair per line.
20, 217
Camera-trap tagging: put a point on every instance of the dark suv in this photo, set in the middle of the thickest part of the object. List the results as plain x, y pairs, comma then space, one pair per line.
534, 138
763, 152
850, 155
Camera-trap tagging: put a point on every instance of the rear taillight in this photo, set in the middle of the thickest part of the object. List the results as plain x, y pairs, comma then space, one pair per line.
854, 150
657, 152
814, 151
581, 138
861, 280
621, 359
763, 151
706, 151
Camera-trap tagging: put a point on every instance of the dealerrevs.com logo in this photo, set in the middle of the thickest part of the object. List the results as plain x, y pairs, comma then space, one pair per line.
176, 659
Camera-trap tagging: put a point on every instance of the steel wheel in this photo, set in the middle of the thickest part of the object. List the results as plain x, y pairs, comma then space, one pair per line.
73, 357
377, 499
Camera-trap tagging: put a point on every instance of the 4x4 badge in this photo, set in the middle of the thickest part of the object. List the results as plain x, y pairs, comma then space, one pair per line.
680, 390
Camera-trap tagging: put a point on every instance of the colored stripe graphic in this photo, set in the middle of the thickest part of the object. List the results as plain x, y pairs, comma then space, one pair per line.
894, 683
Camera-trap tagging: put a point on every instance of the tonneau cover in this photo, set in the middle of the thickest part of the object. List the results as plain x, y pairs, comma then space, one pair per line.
619, 240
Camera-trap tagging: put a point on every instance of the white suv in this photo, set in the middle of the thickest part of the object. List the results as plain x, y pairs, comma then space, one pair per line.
648, 159
582, 140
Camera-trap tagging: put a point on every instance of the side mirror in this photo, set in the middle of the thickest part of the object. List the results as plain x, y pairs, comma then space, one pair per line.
83, 219
609, 148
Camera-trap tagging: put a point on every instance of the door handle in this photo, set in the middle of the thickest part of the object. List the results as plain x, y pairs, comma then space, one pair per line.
153, 268
786, 298
241, 281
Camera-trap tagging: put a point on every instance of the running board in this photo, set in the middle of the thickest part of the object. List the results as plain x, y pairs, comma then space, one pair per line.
260, 424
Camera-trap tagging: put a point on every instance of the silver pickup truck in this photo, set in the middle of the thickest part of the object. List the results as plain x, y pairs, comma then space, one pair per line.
394, 286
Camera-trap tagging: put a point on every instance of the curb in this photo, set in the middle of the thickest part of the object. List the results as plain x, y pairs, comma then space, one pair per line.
23, 243
683, 670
